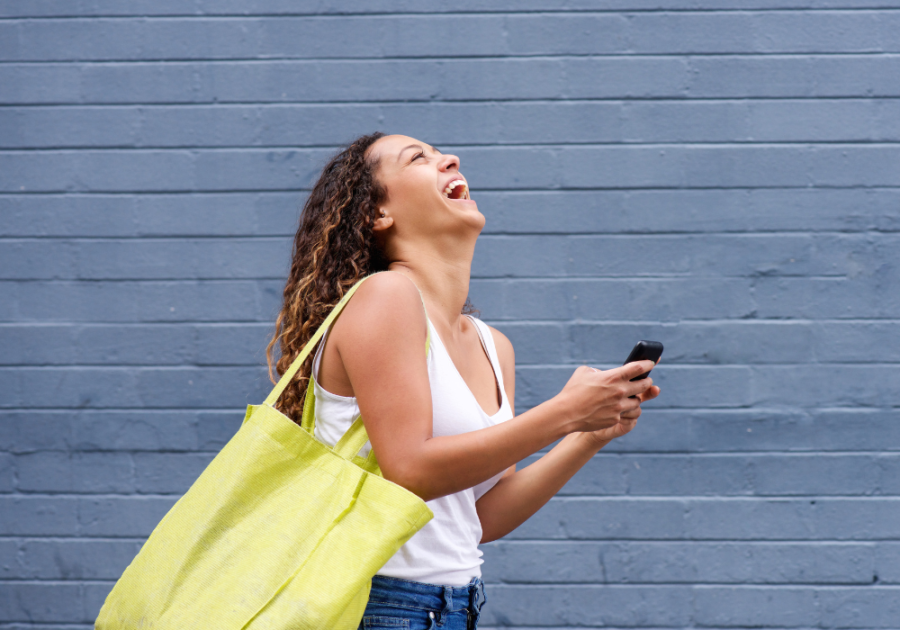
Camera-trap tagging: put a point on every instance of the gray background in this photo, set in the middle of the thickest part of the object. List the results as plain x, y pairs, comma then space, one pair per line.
724, 177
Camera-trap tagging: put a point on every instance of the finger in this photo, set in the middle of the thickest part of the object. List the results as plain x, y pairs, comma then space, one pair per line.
635, 369
630, 404
650, 394
637, 388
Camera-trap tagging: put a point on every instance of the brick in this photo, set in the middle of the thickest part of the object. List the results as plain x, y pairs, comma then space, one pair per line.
833, 386
101, 430
232, 344
142, 301
794, 430
37, 516
790, 76
67, 559
872, 607
861, 342
603, 475
75, 127
226, 214
678, 475
42, 602
765, 31
642, 255
591, 519
866, 296
783, 519
168, 473
67, 215
524, 562
55, 471
121, 516
183, 259
718, 342
39, 83
215, 429
57, 171
137, 387
736, 475
888, 471
755, 606
887, 562
29, 431
65, 344
139, 430
597, 606
817, 474
7, 473
687, 211
642, 299
27, 260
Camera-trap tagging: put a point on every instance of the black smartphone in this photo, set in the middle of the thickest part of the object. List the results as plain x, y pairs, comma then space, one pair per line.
645, 350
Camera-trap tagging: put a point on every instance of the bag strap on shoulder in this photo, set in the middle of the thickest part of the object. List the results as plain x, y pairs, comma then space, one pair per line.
291, 372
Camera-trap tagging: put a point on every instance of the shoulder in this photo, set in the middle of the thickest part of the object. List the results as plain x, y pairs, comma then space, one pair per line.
386, 303
386, 287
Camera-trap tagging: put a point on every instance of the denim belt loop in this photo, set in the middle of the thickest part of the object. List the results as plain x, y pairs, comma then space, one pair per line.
448, 603
477, 597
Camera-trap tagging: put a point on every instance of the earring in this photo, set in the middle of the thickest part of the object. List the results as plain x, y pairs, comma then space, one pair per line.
382, 214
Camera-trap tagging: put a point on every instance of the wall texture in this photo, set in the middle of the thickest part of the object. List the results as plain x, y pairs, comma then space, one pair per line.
724, 177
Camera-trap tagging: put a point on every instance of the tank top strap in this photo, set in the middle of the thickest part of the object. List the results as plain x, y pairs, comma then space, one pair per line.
487, 340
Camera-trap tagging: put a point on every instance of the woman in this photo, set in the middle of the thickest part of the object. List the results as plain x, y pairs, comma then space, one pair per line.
443, 424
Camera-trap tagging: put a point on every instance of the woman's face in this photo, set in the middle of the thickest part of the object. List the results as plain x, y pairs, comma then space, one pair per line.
427, 196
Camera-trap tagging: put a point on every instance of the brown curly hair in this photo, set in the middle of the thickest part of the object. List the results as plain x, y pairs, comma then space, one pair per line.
335, 246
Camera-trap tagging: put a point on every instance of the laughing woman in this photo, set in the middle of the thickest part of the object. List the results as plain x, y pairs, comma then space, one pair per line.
443, 424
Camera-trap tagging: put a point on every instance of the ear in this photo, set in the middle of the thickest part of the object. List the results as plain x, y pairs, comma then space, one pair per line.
382, 223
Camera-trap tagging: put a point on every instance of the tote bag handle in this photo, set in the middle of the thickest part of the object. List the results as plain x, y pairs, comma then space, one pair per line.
289, 374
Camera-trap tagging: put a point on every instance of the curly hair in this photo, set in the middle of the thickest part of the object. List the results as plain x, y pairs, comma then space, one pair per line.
335, 246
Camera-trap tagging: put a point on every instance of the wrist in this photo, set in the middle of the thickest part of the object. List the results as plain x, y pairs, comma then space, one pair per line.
565, 420
592, 441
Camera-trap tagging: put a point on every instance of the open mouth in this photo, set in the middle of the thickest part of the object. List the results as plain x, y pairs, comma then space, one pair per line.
457, 189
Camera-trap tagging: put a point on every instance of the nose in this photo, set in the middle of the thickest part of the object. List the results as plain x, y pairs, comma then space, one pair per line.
449, 162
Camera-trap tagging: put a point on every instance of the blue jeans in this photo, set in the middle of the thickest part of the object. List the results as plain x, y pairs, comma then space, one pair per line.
395, 603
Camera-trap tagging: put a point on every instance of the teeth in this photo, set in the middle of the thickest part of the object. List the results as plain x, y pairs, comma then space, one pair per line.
453, 185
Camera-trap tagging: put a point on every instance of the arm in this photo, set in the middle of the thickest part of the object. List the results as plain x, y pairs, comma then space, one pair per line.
519, 494
380, 337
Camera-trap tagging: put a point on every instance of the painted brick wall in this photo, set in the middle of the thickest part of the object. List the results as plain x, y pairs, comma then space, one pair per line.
722, 176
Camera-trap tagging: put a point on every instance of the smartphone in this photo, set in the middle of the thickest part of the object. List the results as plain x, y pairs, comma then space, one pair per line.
645, 350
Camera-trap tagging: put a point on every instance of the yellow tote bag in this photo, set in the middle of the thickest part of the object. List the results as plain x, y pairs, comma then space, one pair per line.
279, 532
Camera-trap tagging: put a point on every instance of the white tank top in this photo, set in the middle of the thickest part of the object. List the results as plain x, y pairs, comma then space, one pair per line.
445, 551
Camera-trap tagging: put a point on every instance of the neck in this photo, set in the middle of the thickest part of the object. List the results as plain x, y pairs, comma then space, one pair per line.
444, 283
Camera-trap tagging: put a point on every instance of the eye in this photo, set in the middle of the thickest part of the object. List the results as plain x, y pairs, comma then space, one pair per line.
420, 154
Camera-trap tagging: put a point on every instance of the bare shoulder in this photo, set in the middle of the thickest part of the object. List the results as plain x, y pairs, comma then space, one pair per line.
386, 303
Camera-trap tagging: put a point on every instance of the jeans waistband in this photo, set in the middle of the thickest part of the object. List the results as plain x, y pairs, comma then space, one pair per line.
447, 599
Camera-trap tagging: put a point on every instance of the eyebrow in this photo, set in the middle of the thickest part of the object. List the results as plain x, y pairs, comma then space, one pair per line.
415, 146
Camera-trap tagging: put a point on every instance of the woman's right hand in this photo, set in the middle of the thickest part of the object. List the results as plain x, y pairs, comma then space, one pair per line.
598, 399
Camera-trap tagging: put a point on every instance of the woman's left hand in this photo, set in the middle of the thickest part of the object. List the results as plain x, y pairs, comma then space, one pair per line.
628, 421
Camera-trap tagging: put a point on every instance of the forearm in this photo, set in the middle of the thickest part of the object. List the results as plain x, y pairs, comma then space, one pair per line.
520, 495
447, 464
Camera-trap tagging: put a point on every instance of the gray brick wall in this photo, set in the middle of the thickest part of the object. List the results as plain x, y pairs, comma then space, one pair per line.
724, 177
